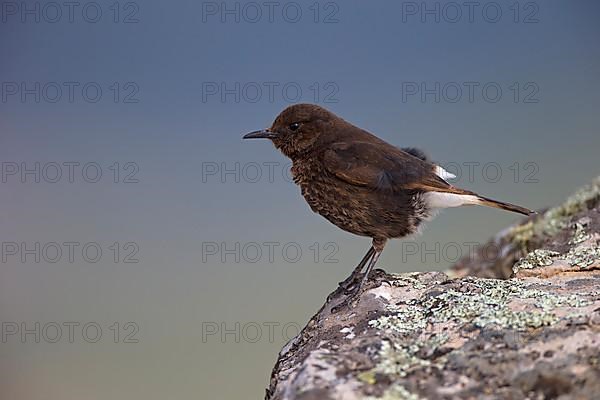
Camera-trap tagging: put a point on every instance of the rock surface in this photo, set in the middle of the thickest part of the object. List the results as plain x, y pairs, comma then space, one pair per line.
464, 335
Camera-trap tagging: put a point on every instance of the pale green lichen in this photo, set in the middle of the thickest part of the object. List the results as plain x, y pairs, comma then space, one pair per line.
537, 258
580, 235
490, 307
557, 218
408, 279
395, 392
398, 359
487, 304
367, 377
581, 256
406, 319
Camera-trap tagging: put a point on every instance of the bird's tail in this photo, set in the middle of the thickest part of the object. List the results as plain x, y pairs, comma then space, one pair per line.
455, 197
484, 201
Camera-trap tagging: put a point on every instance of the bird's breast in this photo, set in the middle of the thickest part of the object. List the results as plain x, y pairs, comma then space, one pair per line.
359, 210
319, 187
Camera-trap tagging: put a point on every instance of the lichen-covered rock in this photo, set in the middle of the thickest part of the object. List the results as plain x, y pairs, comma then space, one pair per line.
429, 336
551, 231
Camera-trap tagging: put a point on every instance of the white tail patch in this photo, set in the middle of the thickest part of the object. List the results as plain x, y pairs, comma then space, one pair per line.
447, 200
442, 173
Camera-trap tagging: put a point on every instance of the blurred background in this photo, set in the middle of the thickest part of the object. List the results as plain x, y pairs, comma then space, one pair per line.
149, 253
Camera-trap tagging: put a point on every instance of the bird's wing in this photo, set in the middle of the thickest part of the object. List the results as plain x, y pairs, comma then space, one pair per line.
413, 151
381, 166
439, 171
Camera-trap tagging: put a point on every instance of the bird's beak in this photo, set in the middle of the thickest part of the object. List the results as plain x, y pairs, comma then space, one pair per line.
264, 134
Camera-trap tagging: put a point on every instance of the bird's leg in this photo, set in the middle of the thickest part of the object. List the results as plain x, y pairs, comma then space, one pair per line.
373, 254
378, 246
369, 268
349, 280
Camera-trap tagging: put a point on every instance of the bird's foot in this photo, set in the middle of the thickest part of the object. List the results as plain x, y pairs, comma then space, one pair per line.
348, 283
337, 308
351, 301
353, 283
353, 291
350, 289
347, 286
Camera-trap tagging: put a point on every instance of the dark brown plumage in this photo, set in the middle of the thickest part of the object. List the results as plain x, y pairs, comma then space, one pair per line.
361, 183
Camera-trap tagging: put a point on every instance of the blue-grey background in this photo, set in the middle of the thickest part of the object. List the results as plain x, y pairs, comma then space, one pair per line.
176, 127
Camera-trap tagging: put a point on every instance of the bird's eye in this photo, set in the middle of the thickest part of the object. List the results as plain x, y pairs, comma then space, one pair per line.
294, 126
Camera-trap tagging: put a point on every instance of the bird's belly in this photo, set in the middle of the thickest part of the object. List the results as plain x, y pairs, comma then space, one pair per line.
362, 211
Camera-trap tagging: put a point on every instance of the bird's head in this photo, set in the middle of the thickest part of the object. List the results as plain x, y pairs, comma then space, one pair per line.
298, 129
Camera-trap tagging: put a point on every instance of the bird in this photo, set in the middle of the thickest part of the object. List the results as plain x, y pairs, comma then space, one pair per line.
361, 183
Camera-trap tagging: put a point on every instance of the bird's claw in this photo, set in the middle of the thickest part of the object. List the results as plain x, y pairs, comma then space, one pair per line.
352, 290
335, 309
349, 281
